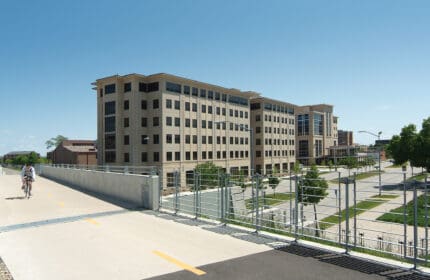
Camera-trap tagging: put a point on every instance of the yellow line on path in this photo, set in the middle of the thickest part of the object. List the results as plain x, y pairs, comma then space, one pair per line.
61, 204
92, 221
179, 263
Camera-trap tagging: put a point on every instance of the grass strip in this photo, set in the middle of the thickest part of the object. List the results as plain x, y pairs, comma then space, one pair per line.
270, 199
362, 206
396, 215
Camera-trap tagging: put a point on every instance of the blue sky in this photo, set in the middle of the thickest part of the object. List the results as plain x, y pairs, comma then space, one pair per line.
370, 59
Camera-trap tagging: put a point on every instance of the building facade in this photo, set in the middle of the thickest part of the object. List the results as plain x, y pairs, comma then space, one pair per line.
172, 123
273, 124
316, 132
345, 138
81, 152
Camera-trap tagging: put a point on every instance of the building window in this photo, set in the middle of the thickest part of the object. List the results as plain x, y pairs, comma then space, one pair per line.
177, 122
169, 156
318, 148
303, 124
126, 122
169, 121
126, 157
156, 156
203, 139
156, 139
177, 156
203, 124
144, 156
110, 108
109, 141
143, 87
318, 124
217, 96
187, 155
258, 141
172, 87
218, 111
187, 90
210, 94
194, 139
110, 156
210, 109
169, 103
203, 155
169, 138
152, 87
210, 139
303, 148
177, 105
203, 108
195, 91
187, 139
155, 121
144, 122
127, 87
110, 88
194, 107
210, 124
177, 139
187, 123
187, 106
155, 104
203, 93
223, 111
194, 155
194, 123
109, 124
126, 139
144, 139
143, 104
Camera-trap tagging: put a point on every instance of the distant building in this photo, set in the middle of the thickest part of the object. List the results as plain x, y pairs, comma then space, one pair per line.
345, 138
82, 152
15, 154
316, 132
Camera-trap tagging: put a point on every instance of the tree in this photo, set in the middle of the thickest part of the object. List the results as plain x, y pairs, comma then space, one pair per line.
350, 162
54, 142
209, 174
274, 180
421, 150
312, 189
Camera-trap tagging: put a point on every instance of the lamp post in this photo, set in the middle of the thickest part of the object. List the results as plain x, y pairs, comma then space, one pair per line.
379, 154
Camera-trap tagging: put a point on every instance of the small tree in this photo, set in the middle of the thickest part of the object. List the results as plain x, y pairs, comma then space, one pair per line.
55, 141
312, 189
330, 165
274, 180
209, 174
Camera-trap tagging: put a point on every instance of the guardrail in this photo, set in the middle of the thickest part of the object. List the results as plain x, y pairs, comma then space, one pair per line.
354, 213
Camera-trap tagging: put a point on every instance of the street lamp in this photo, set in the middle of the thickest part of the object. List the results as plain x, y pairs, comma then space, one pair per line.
379, 154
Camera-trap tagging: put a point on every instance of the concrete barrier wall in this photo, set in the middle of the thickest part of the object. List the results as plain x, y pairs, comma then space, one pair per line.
139, 190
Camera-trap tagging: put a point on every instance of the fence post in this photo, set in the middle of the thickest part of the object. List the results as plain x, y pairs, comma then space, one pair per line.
296, 208
176, 182
415, 224
291, 205
346, 215
405, 219
221, 186
196, 193
426, 219
256, 204
355, 209
339, 209
227, 191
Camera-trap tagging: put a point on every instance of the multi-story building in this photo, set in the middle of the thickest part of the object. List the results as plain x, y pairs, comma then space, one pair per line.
273, 123
173, 123
316, 132
345, 138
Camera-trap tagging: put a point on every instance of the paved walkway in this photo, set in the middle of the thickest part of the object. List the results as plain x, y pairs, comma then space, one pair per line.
61, 233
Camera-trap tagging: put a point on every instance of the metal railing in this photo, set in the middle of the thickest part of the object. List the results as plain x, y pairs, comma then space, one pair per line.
349, 212
143, 170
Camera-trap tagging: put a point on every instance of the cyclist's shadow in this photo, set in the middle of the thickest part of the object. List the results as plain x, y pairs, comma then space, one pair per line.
15, 197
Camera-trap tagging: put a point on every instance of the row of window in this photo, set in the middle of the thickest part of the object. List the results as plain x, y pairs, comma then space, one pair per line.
268, 118
204, 93
276, 130
143, 87
276, 153
273, 107
269, 141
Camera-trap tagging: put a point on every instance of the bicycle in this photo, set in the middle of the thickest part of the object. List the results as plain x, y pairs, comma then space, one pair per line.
27, 190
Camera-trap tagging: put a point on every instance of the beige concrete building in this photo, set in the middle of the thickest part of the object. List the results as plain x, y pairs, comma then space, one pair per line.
316, 130
273, 123
345, 138
173, 123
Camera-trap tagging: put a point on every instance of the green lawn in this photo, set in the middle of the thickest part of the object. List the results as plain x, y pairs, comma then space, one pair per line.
270, 199
359, 176
362, 206
396, 215
419, 177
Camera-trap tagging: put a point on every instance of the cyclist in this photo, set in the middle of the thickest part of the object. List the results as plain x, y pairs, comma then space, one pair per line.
28, 174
